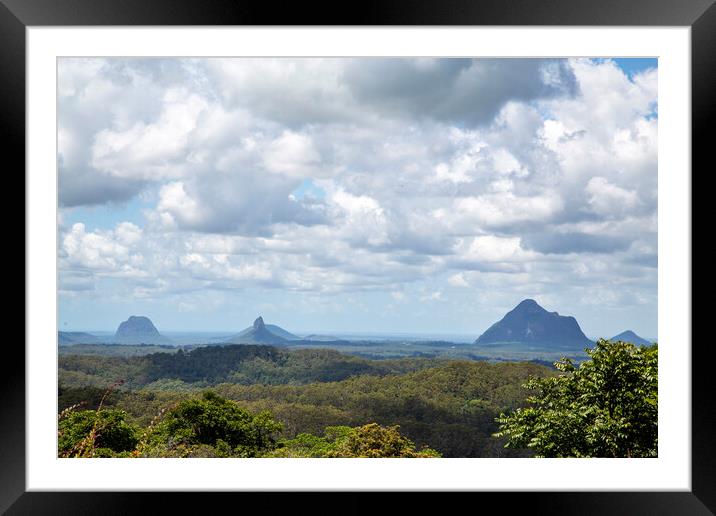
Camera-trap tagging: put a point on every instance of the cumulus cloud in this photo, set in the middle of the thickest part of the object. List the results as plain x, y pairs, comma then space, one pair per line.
355, 175
606, 198
94, 95
465, 91
151, 151
293, 154
109, 252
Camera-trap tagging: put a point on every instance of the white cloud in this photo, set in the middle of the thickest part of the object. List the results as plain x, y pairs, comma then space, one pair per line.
363, 219
177, 205
483, 173
608, 199
491, 248
111, 253
151, 151
505, 208
293, 154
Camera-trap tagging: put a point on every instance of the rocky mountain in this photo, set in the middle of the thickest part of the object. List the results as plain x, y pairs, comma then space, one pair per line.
261, 333
528, 323
67, 338
139, 330
630, 336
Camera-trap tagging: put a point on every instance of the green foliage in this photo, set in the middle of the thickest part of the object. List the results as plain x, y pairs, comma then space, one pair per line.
306, 445
89, 397
208, 364
117, 350
371, 440
173, 385
90, 433
218, 423
606, 407
100, 371
449, 406
238, 363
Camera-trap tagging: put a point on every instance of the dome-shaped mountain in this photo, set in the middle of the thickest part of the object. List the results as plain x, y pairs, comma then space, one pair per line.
630, 336
261, 333
529, 323
139, 330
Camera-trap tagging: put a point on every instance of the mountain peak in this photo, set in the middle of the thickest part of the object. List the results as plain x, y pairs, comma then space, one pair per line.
529, 306
139, 329
261, 333
136, 324
527, 303
529, 323
630, 336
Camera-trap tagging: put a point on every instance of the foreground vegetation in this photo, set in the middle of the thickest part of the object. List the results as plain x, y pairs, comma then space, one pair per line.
212, 426
607, 407
259, 401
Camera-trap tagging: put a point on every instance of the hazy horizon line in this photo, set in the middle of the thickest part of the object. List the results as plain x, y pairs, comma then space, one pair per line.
337, 333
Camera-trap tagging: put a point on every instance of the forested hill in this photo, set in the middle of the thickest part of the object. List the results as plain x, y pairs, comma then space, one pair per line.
243, 364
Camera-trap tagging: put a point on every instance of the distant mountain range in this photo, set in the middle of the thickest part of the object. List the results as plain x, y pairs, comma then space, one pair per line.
527, 324
630, 336
67, 338
530, 324
261, 333
141, 330
322, 338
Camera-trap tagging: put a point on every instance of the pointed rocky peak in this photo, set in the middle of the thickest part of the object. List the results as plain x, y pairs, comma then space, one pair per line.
261, 333
529, 323
529, 306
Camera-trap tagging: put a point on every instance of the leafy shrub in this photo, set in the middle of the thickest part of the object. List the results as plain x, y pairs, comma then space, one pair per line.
216, 422
102, 433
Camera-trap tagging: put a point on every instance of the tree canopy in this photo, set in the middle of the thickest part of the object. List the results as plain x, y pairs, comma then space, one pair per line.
102, 433
606, 407
216, 422
371, 440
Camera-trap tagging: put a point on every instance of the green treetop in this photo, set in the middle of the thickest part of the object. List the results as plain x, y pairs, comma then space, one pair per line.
606, 407
214, 426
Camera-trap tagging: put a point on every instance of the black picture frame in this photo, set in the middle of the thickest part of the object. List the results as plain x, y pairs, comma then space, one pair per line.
700, 15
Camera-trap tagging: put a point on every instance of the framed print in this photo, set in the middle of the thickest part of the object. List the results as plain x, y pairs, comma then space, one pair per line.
433, 250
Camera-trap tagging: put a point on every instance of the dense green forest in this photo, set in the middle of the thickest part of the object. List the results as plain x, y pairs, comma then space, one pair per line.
251, 400
238, 363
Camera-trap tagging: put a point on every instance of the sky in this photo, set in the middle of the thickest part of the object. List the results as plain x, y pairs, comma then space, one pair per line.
414, 195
